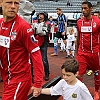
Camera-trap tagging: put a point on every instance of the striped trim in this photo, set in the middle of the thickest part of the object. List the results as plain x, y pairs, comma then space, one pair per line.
8, 67
36, 49
1, 64
9, 73
17, 91
99, 58
12, 28
90, 37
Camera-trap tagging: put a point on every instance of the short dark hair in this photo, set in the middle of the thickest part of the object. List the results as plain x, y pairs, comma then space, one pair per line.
58, 9
71, 65
88, 3
97, 11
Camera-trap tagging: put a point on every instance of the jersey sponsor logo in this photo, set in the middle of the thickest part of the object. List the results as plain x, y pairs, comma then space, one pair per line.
86, 29
74, 95
29, 30
4, 41
33, 39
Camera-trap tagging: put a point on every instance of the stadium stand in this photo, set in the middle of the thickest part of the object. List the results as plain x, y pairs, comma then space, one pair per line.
50, 6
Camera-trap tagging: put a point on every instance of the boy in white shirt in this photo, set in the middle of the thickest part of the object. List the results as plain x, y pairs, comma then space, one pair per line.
69, 87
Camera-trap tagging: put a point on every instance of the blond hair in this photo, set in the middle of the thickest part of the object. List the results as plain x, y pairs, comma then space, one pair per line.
71, 29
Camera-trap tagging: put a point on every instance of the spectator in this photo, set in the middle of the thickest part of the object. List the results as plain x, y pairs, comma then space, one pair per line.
88, 45
68, 3
18, 44
42, 30
69, 87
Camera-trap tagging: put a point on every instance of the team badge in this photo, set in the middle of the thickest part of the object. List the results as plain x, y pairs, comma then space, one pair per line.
94, 24
74, 95
13, 35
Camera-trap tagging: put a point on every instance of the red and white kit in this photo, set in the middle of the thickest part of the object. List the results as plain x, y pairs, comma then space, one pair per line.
16, 43
89, 47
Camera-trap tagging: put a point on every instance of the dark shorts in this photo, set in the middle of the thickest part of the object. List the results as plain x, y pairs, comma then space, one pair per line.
59, 35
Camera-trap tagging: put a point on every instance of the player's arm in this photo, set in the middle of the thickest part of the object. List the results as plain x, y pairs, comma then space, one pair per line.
65, 25
30, 43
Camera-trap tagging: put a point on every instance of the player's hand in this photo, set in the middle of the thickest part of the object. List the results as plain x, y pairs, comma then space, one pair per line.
36, 91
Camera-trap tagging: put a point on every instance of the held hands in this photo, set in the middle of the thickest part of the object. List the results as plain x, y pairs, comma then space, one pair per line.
36, 91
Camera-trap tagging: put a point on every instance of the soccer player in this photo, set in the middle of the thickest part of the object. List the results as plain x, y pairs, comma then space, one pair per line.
17, 44
88, 45
62, 25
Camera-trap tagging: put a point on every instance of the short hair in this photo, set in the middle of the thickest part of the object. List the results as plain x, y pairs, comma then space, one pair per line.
50, 17
58, 9
71, 65
88, 3
97, 12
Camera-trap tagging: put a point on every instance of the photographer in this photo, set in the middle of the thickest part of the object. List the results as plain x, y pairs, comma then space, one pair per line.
42, 30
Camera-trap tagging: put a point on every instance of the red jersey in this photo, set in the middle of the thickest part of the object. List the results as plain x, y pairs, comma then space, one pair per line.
15, 66
89, 34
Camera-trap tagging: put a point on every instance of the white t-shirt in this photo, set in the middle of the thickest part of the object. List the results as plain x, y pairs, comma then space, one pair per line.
70, 38
76, 92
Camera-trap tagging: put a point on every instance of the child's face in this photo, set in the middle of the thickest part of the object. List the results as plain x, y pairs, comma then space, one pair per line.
69, 77
70, 32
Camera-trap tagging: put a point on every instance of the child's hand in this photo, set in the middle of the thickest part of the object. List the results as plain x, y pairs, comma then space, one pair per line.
36, 91
35, 94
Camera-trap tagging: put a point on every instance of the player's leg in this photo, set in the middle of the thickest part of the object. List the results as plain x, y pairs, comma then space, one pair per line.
82, 66
96, 70
93, 61
16, 91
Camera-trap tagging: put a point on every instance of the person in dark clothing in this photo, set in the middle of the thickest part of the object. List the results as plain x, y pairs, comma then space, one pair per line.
42, 30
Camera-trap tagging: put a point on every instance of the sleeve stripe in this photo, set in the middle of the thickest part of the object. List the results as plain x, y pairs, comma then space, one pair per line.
36, 49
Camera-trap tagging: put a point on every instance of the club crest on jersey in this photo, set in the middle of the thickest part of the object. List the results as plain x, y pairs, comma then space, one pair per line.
33, 39
74, 95
94, 24
13, 35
